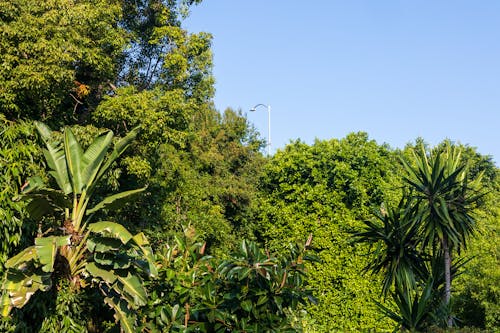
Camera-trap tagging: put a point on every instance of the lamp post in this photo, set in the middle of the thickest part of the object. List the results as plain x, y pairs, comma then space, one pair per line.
268, 125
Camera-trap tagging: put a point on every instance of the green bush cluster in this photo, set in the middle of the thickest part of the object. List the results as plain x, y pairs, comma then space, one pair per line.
248, 291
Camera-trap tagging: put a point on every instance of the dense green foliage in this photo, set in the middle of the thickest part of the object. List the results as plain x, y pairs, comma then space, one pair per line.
327, 189
19, 158
55, 54
249, 291
477, 295
87, 67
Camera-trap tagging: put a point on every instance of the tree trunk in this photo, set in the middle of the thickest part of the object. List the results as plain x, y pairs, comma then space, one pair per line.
447, 277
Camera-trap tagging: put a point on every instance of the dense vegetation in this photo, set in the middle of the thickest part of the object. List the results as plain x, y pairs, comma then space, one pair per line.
340, 235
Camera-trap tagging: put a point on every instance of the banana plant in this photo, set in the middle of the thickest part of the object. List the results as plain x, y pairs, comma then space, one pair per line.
101, 254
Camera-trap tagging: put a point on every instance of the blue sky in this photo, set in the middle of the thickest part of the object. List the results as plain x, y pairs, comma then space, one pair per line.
397, 70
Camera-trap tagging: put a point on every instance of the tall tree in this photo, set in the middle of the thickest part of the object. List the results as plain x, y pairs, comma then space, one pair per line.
446, 196
60, 58
328, 189
57, 56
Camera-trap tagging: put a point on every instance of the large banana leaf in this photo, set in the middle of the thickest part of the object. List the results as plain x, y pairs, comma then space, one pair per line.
130, 289
24, 276
106, 275
46, 249
56, 160
74, 160
132, 285
44, 202
118, 150
122, 314
19, 286
20, 260
142, 242
93, 158
115, 201
103, 244
111, 229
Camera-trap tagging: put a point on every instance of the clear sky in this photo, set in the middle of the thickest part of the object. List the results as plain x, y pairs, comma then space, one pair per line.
397, 70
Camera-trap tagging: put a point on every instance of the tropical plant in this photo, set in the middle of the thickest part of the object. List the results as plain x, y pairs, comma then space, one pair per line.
249, 291
415, 307
446, 196
70, 246
259, 288
396, 252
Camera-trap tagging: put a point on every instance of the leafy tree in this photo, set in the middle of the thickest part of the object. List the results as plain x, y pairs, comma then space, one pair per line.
82, 253
476, 300
328, 189
61, 58
216, 179
204, 173
19, 158
446, 196
57, 56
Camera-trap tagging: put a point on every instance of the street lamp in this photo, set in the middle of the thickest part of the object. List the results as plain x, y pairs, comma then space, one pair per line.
268, 125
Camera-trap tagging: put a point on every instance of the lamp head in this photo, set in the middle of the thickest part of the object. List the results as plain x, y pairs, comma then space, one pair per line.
253, 110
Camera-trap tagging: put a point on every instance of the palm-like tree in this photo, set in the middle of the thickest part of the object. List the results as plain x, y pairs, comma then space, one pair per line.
445, 197
394, 237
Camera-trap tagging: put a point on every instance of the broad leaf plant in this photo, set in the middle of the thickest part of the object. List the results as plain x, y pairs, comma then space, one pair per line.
100, 254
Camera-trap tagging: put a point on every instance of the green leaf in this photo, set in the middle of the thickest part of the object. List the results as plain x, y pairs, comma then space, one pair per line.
32, 184
19, 286
133, 286
74, 159
39, 207
262, 299
246, 305
93, 158
111, 229
44, 202
118, 149
46, 248
103, 244
5, 304
107, 276
142, 242
122, 314
21, 258
105, 259
54, 154
115, 201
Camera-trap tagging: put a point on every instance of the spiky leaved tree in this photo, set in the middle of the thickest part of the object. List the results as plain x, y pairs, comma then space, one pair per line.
445, 196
